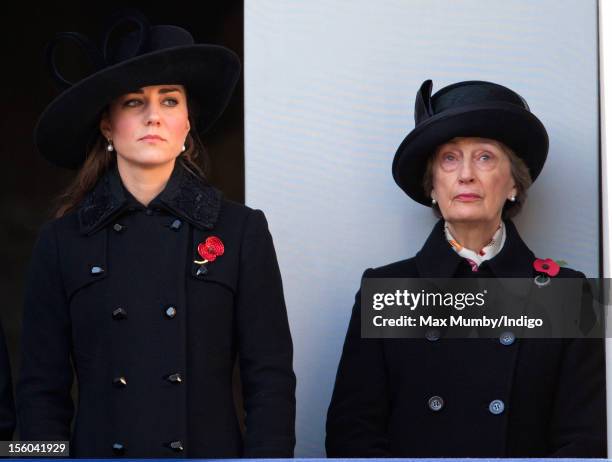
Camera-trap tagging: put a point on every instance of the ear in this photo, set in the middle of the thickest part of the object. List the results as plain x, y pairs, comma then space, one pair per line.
105, 126
513, 192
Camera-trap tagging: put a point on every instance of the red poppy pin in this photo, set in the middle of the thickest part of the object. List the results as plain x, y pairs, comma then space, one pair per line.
209, 250
549, 268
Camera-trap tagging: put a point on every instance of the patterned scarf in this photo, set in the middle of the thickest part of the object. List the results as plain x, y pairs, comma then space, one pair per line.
486, 253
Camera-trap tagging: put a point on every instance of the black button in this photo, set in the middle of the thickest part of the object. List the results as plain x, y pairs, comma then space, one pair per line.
170, 312
118, 449
149, 212
120, 382
176, 224
118, 227
435, 403
507, 338
433, 335
175, 378
201, 272
96, 270
496, 407
176, 446
119, 314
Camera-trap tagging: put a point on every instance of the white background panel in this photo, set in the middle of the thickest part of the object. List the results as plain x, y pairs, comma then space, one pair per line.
329, 95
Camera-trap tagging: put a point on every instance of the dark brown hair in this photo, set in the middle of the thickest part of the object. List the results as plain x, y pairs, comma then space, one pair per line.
98, 160
518, 170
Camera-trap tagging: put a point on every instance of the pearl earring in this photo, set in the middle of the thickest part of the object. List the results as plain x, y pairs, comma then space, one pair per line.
433, 201
110, 146
513, 198
183, 147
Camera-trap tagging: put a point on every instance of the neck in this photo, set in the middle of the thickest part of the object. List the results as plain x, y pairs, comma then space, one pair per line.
473, 236
144, 182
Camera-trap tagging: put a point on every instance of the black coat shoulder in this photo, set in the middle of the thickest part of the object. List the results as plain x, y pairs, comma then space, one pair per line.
400, 269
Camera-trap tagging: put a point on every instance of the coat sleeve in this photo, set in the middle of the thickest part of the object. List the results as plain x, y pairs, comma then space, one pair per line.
265, 347
7, 406
578, 424
44, 404
358, 415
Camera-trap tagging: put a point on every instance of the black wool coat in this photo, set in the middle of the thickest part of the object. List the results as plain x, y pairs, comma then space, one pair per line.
114, 290
552, 391
7, 406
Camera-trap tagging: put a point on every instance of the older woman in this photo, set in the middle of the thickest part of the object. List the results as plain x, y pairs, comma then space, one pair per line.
475, 150
149, 284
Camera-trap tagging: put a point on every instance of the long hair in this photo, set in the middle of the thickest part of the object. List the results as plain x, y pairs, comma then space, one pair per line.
98, 160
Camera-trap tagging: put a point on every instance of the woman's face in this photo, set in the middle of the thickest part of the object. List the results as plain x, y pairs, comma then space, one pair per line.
472, 180
149, 126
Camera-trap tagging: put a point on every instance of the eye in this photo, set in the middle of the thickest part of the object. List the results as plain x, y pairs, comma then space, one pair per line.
449, 157
170, 102
131, 103
485, 156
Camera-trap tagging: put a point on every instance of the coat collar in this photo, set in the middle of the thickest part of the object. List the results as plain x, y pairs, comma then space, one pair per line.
185, 195
437, 259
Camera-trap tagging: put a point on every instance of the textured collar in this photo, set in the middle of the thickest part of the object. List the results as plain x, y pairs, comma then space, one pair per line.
185, 195
437, 259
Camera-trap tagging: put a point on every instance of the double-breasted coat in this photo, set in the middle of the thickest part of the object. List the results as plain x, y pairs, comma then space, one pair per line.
114, 292
437, 397
7, 406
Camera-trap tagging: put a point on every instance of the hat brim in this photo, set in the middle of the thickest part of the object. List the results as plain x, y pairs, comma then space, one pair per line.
517, 128
65, 129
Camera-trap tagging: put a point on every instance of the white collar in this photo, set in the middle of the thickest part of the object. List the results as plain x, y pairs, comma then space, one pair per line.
491, 249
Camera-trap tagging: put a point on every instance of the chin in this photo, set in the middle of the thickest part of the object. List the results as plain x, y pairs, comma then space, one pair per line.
150, 158
464, 214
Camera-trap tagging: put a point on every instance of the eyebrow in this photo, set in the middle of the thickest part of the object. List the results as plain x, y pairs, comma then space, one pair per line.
161, 90
480, 144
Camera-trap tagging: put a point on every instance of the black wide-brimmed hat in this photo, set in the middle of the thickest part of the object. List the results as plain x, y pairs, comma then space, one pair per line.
467, 109
126, 61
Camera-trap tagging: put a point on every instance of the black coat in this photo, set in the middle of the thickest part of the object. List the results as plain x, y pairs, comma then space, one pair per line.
7, 406
552, 390
113, 290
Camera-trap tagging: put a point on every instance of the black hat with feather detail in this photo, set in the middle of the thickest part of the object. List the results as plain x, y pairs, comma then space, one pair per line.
467, 109
148, 55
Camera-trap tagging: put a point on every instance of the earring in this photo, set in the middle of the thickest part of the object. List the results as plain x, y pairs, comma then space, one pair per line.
110, 146
183, 147
433, 201
513, 199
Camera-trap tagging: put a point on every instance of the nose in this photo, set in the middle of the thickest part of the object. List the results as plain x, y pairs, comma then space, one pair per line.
152, 115
466, 173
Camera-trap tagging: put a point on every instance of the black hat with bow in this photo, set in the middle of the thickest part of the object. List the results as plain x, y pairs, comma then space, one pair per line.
467, 109
148, 55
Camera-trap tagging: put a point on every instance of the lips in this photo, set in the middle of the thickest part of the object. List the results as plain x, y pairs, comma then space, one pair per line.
151, 137
467, 197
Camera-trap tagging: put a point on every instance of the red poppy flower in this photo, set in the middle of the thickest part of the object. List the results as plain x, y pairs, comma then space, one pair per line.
547, 266
211, 248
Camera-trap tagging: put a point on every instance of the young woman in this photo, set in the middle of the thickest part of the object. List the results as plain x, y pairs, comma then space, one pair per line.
149, 283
